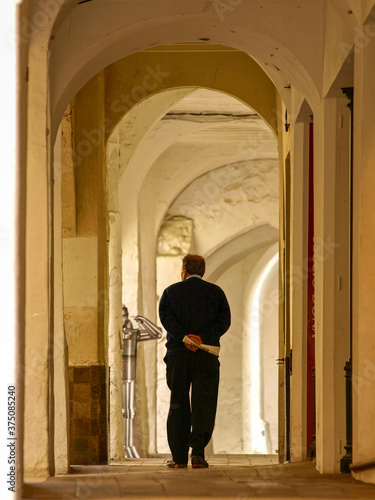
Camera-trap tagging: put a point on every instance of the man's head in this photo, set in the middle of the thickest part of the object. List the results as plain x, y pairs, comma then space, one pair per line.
193, 264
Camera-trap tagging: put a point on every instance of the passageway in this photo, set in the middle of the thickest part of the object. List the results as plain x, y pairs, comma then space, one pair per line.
150, 129
230, 477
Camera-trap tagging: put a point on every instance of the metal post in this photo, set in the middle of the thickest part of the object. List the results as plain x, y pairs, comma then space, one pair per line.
312, 447
346, 460
130, 338
287, 368
129, 367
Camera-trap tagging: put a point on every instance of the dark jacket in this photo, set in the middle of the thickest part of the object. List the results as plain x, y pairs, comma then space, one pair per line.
194, 306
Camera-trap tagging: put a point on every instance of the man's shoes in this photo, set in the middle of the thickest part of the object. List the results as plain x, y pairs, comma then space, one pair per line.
173, 465
198, 462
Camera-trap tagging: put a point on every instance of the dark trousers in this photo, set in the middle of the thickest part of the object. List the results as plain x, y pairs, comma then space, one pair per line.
191, 420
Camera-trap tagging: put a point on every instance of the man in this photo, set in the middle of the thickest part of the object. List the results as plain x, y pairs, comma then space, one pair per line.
200, 310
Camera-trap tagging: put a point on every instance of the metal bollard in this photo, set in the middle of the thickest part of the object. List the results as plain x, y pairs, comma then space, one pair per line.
130, 338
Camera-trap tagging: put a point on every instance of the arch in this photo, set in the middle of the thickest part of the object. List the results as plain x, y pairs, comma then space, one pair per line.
252, 255
144, 74
139, 180
79, 50
231, 252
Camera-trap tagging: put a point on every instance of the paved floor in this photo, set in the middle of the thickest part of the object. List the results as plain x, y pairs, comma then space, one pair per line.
229, 477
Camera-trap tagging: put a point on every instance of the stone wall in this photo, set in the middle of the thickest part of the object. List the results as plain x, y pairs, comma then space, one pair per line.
88, 410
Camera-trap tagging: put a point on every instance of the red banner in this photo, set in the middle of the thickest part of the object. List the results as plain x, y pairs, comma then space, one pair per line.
310, 297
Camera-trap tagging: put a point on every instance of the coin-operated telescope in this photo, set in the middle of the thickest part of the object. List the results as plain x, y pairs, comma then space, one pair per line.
130, 338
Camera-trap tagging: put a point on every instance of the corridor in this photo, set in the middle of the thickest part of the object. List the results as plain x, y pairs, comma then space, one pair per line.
237, 477
242, 131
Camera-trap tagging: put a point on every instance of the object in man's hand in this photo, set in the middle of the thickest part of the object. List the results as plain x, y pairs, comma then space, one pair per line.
212, 349
194, 338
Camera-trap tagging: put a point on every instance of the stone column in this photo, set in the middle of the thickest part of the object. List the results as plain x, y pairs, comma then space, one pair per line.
116, 433
38, 369
363, 269
331, 262
86, 276
61, 387
299, 215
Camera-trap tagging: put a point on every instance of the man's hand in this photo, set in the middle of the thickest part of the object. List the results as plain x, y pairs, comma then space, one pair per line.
196, 339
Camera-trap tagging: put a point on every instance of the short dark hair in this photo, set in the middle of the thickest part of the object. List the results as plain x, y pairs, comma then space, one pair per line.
195, 264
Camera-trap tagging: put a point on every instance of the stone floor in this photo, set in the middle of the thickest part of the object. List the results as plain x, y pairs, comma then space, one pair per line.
234, 477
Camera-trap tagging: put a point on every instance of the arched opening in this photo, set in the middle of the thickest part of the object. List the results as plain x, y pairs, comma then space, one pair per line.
306, 50
245, 194
197, 133
84, 56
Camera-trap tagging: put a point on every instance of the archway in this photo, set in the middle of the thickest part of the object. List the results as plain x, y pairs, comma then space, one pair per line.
60, 83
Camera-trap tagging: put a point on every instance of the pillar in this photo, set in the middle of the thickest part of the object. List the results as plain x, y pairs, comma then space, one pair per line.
38, 439
21, 53
116, 442
299, 212
61, 387
363, 269
85, 275
331, 261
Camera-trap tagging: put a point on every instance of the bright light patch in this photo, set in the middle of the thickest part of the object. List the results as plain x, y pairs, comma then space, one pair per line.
258, 430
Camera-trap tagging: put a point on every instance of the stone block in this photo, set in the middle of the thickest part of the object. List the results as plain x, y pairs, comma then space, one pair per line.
80, 276
95, 389
82, 374
81, 427
81, 409
80, 444
88, 415
82, 392
81, 326
95, 427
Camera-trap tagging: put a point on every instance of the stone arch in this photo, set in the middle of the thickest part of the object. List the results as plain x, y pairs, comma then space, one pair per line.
236, 249
251, 251
91, 47
139, 269
222, 69
63, 62
138, 162
70, 64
